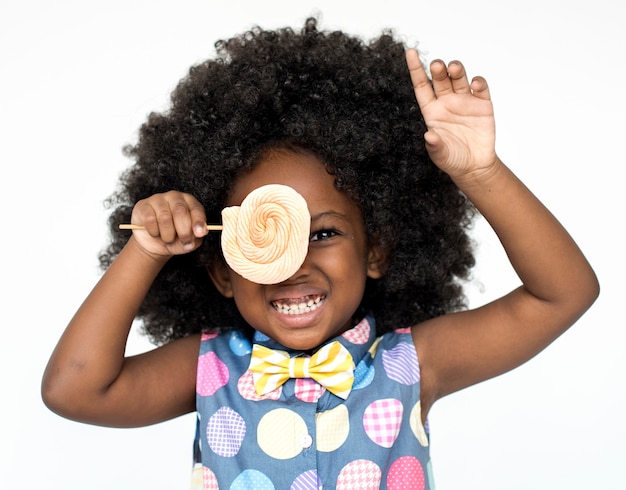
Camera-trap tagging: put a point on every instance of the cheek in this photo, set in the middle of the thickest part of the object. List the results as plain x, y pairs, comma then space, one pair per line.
345, 263
249, 307
245, 293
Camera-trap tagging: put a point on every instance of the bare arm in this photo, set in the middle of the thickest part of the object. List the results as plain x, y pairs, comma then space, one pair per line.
88, 377
558, 284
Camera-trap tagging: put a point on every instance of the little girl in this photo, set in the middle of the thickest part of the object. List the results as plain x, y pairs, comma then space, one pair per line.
392, 166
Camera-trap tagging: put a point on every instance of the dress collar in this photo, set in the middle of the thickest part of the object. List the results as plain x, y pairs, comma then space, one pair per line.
357, 340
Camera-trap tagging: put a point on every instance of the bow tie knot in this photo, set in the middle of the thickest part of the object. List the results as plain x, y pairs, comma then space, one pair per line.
331, 366
299, 367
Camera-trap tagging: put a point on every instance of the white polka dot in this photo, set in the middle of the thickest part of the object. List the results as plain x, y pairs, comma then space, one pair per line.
280, 432
415, 421
332, 427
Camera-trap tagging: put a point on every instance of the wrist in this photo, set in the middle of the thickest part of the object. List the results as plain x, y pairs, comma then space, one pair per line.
481, 178
143, 256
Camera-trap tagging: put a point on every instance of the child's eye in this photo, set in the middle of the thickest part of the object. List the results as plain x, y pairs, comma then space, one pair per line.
322, 235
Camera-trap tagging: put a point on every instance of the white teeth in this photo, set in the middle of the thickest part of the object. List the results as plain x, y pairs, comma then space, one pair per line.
305, 305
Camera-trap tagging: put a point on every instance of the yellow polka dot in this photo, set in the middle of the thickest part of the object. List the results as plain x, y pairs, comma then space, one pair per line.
196, 477
416, 425
280, 433
332, 428
372, 350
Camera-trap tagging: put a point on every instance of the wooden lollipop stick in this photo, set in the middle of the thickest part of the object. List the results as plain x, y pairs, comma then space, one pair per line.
125, 226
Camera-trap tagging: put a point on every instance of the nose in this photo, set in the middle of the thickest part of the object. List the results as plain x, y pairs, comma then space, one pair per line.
303, 271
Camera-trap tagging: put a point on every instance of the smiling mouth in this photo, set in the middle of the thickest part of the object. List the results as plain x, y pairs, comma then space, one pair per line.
298, 306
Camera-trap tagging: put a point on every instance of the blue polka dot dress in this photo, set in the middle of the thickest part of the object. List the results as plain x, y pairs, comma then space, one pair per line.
302, 437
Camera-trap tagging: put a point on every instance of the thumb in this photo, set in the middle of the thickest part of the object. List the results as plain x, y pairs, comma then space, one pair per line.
435, 147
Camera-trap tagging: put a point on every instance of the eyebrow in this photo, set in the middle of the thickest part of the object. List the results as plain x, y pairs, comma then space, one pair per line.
329, 214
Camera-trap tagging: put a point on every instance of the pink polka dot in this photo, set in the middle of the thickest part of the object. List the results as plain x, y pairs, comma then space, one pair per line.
308, 390
212, 374
406, 473
208, 335
359, 334
361, 474
245, 386
382, 420
209, 480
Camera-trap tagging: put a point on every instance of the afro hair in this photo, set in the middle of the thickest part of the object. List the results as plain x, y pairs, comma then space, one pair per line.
348, 101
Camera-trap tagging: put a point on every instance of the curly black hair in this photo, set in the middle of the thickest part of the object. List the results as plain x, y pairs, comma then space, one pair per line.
348, 101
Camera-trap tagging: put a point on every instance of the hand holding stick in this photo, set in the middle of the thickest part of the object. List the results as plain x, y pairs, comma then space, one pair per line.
127, 226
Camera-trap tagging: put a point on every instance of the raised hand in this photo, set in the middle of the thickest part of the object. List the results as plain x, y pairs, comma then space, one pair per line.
174, 223
459, 116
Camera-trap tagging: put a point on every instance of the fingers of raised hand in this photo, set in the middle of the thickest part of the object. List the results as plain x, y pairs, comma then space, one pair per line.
172, 216
480, 88
444, 79
453, 79
421, 83
449, 79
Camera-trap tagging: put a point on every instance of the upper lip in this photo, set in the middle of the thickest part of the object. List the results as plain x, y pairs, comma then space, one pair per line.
295, 292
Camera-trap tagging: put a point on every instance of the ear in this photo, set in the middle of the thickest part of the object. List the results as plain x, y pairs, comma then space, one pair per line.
220, 275
376, 262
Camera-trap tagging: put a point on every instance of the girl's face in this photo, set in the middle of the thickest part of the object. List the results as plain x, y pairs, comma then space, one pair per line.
333, 275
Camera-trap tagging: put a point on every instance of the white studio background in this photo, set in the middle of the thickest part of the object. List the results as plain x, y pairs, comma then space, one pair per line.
78, 78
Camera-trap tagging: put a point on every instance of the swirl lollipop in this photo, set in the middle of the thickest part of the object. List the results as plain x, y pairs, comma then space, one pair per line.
266, 239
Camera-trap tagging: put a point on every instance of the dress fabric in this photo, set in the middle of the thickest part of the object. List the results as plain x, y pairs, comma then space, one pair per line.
302, 437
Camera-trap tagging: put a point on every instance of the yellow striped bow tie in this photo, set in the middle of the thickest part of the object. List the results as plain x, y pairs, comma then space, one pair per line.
331, 366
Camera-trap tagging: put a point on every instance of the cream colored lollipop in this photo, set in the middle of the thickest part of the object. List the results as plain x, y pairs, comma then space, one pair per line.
266, 239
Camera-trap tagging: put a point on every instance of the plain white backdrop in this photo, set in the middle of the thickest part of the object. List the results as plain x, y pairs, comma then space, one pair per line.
78, 78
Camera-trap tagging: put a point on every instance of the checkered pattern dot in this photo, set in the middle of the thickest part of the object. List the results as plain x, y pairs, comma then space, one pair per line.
225, 432
382, 420
307, 390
